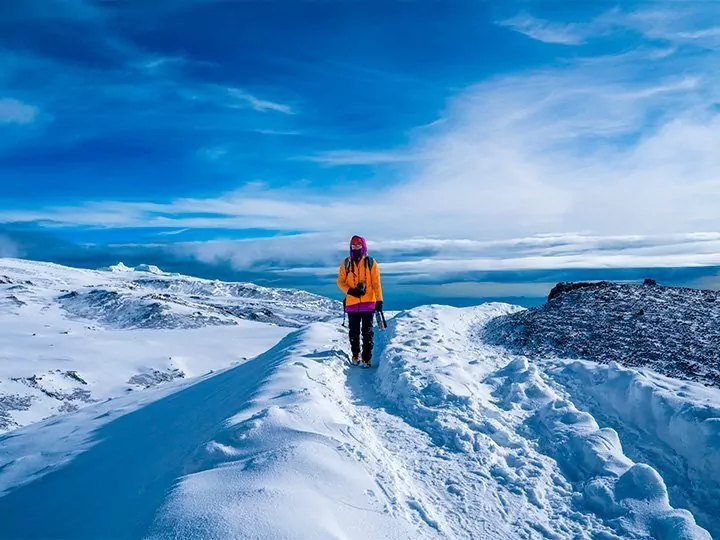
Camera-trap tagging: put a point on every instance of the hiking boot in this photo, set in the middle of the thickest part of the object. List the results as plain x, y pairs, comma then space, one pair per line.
366, 363
355, 360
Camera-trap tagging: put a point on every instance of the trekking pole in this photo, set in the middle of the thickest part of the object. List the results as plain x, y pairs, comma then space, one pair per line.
380, 320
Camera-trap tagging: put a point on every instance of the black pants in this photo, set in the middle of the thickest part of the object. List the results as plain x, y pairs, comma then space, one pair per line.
356, 321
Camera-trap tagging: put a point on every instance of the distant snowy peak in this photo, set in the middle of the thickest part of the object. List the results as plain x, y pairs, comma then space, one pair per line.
119, 267
150, 268
122, 267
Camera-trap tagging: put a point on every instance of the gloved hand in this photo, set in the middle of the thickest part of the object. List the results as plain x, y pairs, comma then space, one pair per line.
354, 291
378, 305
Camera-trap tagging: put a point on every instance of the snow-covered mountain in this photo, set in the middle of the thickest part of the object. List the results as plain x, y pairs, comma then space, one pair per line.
449, 437
71, 337
673, 330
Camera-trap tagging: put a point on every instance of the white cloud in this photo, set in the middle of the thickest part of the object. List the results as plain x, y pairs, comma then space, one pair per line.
13, 111
479, 290
588, 147
213, 153
620, 146
266, 253
553, 252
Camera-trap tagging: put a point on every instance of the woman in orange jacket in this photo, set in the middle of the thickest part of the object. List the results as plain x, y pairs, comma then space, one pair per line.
359, 279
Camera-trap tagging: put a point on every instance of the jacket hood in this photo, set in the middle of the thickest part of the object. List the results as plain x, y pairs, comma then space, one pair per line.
364, 243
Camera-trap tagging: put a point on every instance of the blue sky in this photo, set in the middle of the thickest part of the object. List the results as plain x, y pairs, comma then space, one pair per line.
486, 149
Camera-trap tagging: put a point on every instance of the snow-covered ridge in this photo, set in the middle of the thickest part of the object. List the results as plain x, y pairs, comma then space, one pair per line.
675, 331
146, 297
71, 337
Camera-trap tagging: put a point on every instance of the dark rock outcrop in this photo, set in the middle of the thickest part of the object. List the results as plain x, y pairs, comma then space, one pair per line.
673, 330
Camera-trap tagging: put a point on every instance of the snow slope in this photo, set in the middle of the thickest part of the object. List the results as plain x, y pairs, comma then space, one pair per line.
72, 337
448, 438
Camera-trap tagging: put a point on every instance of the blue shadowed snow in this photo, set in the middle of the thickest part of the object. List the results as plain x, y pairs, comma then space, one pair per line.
116, 487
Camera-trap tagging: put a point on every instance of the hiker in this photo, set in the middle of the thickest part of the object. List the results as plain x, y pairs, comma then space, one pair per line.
359, 279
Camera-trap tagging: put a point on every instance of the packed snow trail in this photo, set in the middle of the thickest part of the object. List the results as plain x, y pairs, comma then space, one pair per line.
447, 438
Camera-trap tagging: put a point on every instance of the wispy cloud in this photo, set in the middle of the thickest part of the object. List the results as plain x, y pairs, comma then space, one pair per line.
513, 156
692, 23
356, 157
173, 233
663, 20
549, 32
260, 105
106, 82
13, 111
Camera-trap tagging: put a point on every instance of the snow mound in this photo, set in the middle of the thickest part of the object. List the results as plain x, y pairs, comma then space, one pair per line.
630, 497
567, 472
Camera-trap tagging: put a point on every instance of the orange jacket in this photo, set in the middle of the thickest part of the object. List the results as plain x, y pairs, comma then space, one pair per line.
357, 272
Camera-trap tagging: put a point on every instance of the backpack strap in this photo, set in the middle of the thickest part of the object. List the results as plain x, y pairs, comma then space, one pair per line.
369, 262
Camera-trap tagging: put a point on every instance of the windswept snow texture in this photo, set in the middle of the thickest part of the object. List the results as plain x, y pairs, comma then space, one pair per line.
448, 437
675, 331
672, 425
173, 301
71, 337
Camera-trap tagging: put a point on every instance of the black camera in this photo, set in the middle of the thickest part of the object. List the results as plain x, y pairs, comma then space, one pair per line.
361, 287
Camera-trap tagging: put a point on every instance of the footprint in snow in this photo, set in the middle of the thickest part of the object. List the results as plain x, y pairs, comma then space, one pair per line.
454, 488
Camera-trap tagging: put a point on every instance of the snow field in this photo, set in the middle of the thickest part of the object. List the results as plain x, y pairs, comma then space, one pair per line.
447, 438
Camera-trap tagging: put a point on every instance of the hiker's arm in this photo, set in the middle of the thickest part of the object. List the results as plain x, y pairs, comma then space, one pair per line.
376, 281
342, 279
